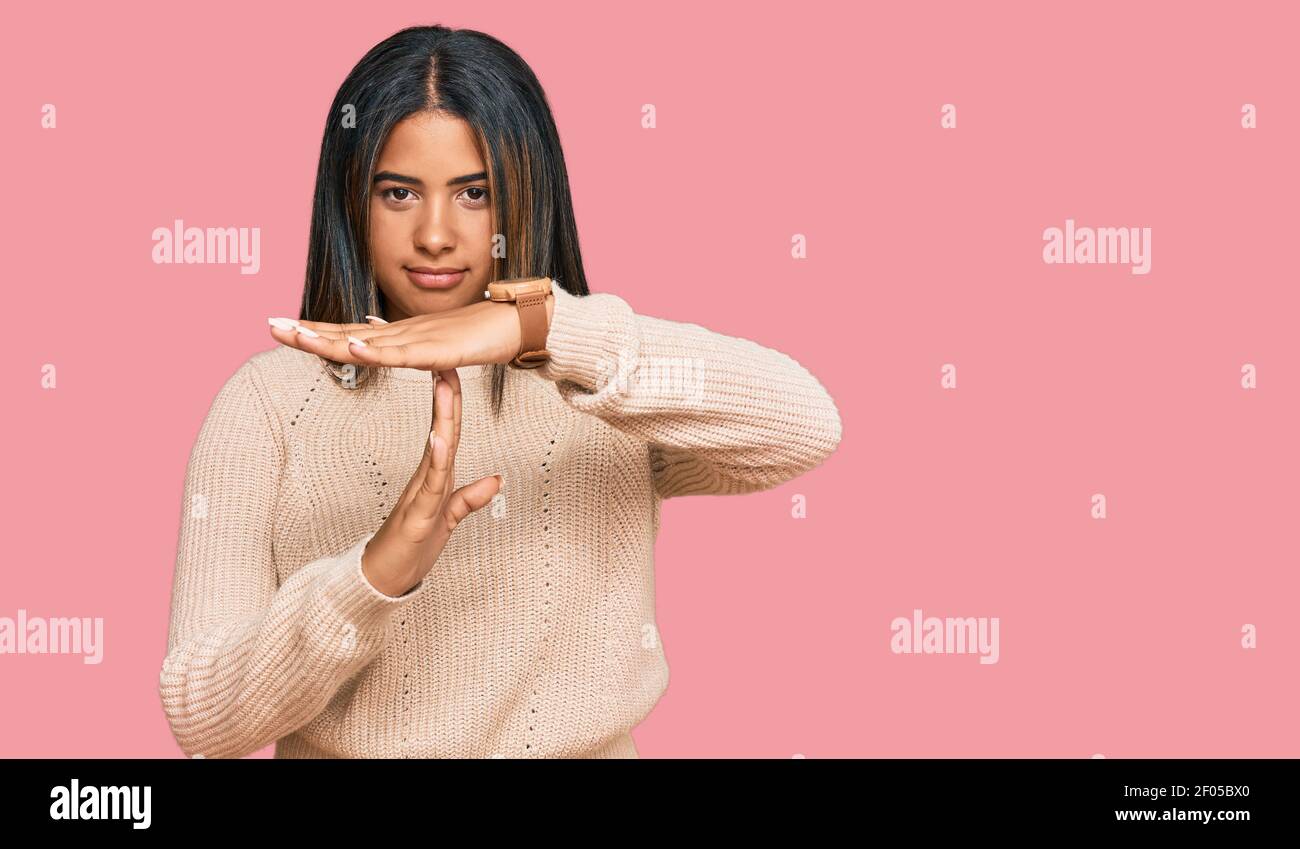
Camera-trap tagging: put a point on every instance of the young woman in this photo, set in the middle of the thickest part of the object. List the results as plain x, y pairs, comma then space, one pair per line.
414, 544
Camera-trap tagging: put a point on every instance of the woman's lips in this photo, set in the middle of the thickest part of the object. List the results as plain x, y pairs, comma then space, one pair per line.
426, 280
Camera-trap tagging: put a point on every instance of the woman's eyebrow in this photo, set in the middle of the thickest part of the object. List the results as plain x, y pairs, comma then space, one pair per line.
419, 184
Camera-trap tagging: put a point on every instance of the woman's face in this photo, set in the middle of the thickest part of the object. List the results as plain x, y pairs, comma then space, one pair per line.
430, 209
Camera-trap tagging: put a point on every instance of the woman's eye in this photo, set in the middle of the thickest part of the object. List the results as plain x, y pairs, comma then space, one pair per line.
385, 193
481, 198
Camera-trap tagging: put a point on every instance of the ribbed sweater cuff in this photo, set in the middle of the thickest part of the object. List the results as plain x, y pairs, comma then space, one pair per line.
593, 344
347, 596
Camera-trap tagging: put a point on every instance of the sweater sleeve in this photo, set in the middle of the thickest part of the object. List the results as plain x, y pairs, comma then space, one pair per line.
248, 661
722, 415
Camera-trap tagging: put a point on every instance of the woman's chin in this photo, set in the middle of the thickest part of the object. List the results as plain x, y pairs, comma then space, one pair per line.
438, 300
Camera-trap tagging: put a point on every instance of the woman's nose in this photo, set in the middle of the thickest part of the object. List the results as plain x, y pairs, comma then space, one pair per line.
435, 230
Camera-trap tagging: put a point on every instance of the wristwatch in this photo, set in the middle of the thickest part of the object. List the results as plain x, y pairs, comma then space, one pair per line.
529, 297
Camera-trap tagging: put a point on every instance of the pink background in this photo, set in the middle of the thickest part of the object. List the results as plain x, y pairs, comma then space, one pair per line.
1118, 636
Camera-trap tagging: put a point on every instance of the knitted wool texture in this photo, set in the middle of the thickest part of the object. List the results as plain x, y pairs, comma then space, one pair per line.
534, 634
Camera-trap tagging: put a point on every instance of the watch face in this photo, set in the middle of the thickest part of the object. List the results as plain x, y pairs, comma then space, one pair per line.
509, 290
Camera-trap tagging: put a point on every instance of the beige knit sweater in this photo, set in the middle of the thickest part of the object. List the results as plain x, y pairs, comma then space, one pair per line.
534, 635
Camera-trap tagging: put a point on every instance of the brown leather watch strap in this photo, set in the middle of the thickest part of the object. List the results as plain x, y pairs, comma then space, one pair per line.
533, 329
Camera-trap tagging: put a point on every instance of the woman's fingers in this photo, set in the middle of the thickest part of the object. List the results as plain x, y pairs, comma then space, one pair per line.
406, 350
446, 386
442, 417
417, 479
331, 330
453, 380
431, 493
323, 343
379, 352
453, 383
285, 335
343, 349
467, 499
364, 332
356, 329
404, 344
438, 479
446, 407
333, 340
456, 439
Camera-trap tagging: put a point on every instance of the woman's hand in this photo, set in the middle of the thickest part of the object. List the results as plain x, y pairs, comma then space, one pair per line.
409, 542
480, 333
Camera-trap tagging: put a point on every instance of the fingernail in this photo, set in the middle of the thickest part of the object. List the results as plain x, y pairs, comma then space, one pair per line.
283, 323
355, 341
307, 331
376, 318
501, 478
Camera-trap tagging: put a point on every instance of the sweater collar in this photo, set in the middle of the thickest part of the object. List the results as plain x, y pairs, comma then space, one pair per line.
466, 373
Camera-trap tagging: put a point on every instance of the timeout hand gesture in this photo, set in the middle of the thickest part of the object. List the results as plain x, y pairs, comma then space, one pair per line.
409, 542
480, 333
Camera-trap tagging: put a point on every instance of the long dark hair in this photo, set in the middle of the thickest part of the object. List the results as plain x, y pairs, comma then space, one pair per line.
461, 73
